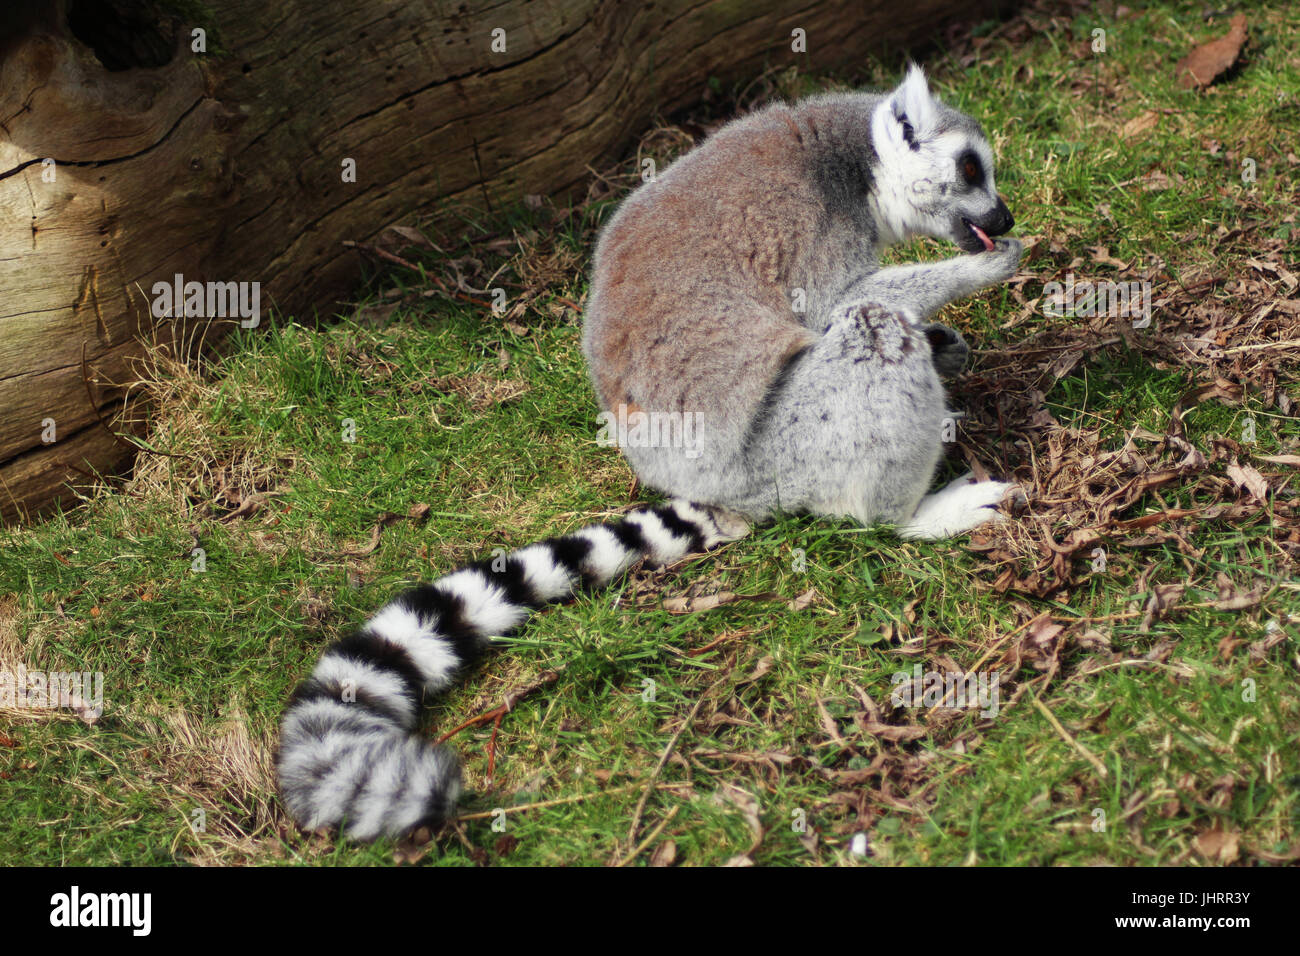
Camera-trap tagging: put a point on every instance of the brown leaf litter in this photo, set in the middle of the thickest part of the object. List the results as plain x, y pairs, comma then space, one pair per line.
1205, 63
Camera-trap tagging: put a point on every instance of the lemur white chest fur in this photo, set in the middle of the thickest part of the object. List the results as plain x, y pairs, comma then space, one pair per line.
835, 409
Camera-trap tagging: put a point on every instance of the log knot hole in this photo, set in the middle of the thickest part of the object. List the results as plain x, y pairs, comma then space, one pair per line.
125, 34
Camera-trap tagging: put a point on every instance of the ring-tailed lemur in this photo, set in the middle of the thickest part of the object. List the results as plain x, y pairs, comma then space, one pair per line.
835, 409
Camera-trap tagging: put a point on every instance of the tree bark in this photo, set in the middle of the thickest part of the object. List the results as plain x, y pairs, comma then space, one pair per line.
128, 156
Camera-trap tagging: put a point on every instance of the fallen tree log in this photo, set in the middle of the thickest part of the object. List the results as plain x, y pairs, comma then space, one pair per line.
145, 140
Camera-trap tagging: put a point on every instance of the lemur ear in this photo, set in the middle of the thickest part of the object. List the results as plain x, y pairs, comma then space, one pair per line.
912, 106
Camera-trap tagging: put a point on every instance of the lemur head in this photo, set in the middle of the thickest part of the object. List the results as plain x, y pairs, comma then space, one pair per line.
935, 176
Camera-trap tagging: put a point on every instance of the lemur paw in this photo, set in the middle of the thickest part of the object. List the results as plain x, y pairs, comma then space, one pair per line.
961, 506
1003, 260
949, 348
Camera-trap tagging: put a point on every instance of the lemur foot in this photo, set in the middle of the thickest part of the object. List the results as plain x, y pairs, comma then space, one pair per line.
959, 507
950, 349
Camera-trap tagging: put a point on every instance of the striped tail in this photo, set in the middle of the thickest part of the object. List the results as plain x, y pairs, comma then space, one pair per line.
350, 755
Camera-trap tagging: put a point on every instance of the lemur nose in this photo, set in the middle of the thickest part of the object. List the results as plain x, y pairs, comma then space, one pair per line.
1001, 221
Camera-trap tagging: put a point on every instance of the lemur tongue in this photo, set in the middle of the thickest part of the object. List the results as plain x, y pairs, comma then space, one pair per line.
982, 236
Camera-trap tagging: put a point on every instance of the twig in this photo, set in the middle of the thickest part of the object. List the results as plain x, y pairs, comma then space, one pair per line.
406, 264
381, 253
1065, 735
650, 838
663, 759
1288, 344
492, 749
507, 703
455, 827
604, 179
1001, 640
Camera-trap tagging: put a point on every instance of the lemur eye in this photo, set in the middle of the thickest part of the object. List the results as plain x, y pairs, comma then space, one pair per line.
971, 170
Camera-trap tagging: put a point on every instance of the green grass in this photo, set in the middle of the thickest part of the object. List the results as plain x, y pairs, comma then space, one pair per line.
1168, 745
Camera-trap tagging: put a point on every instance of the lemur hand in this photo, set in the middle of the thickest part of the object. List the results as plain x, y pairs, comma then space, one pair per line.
1003, 259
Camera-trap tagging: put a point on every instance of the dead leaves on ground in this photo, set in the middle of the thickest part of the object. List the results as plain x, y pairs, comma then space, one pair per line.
695, 600
651, 587
481, 391
1097, 502
1211, 59
1083, 491
1246, 478
1217, 845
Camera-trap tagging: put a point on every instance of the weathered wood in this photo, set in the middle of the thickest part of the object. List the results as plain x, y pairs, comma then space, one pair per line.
226, 165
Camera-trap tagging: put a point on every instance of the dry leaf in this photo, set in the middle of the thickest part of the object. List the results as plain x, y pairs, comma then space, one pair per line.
1093, 641
760, 669
1259, 649
1156, 181
828, 724
1160, 652
506, 844
1041, 644
803, 600
1244, 476
693, 604
1139, 124
1101, 254
1163, 597
697, 603
892, 732
1228, 645
1239, 600
1218, 845
665, 854
1200, 67
413, 236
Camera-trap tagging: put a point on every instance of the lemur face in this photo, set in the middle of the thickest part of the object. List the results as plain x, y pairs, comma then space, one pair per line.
978, 212
936, 170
